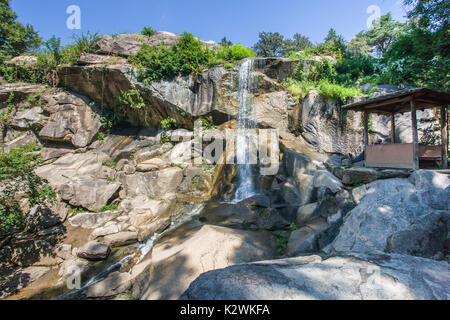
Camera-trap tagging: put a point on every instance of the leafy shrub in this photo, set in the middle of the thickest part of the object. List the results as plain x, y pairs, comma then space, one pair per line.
189, 55
132, 98
352, 70
168, 123
7, 113
17, 177
337, 91
207, 122
234, 53
85, 43
111, 207
148, 31
111, 118
156, 63
299, 89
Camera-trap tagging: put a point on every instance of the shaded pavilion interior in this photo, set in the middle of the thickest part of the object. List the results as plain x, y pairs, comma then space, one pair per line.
405, 155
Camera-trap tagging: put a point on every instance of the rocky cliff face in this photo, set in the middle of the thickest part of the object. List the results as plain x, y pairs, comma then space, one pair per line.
130, 184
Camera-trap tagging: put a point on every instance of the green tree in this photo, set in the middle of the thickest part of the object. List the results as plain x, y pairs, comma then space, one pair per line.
431, 13
298, 43
269, 44
418, 58
359, 46
17, 176
15, 38
225, 42
335, 41
383, 33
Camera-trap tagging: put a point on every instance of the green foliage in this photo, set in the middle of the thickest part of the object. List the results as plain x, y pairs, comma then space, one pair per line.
280, 243
225, 42
15, 38
148, 31
269, 44
168, 123
291, 227
431, 13
337, 91
196, 180
359, 46
299, 89
85, 43
111, 207
111, 118
207, 122
21, 73
274, 45
132, 155
353, 69
7, 113
418, 58
189, 55
335, 42
298, 43
132, 98
17, 177
76, 210
383, 33
234, 53
49, 58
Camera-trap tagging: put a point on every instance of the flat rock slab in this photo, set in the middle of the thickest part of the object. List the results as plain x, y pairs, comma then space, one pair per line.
121, 239
383, 277
114, 284
359, 175
187, 252
89, 220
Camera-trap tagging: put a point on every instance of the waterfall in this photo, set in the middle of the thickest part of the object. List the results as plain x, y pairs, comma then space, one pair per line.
246, 120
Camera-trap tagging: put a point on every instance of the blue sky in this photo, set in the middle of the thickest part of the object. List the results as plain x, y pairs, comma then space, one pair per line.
238, 20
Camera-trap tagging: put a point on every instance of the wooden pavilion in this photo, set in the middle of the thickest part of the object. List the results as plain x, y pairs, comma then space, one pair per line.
397, 155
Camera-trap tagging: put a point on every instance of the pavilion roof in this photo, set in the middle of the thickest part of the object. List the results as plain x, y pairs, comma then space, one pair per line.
399, 102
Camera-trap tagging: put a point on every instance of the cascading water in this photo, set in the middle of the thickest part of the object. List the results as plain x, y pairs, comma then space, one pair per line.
246, 120
142, 249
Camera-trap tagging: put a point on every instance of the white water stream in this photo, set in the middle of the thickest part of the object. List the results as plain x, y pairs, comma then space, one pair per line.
143, 249
246, 120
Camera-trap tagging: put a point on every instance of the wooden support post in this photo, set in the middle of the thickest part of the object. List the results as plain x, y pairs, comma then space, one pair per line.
393, 127
415, 135
444, 133
366, 133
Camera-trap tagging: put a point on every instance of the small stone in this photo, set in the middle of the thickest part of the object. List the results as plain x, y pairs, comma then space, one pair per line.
94, 251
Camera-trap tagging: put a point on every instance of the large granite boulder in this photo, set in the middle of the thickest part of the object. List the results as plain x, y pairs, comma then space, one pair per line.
390, 209
148, 216
94, 251
89, 193
80, 178
155, 184
72, 120
355, 277
128, 44
180, 257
